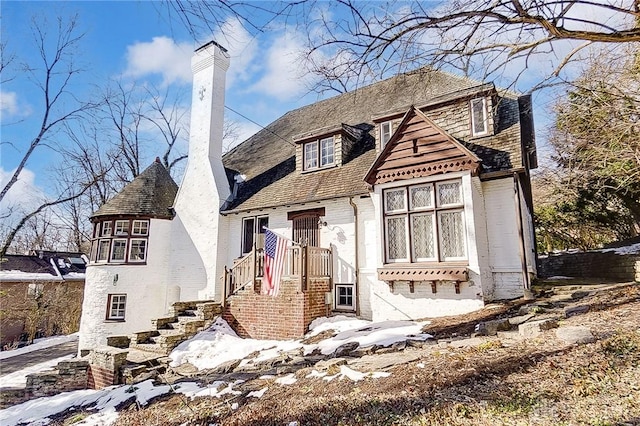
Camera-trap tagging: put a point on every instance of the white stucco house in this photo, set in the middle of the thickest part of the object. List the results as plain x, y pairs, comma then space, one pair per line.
408, 198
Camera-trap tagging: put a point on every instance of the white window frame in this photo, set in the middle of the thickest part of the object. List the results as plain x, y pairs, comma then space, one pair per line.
337, 305
131, 244
116, 307
385, 134
485, 120
106, 229
108, 252
436, 210
436, 248
142, 225
113, 249
118, 224
305, 155
323, 160
464, 239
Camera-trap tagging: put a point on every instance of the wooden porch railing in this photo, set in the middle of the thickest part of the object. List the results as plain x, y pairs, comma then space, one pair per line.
301, 262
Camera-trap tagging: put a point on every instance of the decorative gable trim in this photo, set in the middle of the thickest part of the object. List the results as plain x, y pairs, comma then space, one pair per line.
419, 148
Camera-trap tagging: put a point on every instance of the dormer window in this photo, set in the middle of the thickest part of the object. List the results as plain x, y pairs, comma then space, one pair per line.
479, 122
385, 133
318, 154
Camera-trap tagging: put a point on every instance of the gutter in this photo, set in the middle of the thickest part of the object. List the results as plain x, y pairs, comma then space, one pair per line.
357, 263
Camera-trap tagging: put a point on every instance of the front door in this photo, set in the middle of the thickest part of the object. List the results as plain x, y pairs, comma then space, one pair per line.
306, 226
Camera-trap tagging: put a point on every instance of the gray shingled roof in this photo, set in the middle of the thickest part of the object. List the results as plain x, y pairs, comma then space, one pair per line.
151, 194
267, 159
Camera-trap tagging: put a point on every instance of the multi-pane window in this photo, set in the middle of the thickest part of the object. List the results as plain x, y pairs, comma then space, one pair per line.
118, 250
310, 155
138, 250
479, 125
314, 159
103, 250
385, 133
140, 227
326, 151
122, 227
344, 296
106, 229
116, 305
121, 241
425, 223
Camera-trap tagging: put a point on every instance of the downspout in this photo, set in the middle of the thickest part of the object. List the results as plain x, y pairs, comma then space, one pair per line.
523, 250
357, 263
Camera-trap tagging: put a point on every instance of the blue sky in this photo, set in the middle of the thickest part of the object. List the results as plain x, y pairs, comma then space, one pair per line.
131, 41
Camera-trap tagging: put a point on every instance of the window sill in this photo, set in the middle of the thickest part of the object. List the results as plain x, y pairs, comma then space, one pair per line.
114, 320
319, 169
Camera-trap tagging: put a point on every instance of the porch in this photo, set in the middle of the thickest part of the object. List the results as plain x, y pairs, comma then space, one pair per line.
305, 289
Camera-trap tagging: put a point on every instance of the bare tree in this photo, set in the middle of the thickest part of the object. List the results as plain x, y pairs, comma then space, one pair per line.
203, 17
363, 40
53, 76
53, 79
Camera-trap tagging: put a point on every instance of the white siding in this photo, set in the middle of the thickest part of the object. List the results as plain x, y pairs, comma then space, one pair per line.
378, 302
144, 285
204, 188
504, 246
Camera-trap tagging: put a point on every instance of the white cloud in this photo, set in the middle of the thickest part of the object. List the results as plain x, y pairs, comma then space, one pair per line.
160, 56
283, 77
242, 48
11, 106
8, 102
23, 196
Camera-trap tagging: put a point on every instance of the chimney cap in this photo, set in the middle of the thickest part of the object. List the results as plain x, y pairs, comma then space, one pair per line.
212, 42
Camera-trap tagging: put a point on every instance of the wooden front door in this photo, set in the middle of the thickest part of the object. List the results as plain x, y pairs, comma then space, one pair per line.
306, 227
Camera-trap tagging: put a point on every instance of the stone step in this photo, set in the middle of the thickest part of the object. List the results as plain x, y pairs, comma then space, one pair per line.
143, 336
151, 347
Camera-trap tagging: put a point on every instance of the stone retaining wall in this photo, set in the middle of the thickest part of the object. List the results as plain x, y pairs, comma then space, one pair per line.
67, 376
592, 264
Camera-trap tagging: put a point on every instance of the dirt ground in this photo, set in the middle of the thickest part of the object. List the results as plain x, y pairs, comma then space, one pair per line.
503, 380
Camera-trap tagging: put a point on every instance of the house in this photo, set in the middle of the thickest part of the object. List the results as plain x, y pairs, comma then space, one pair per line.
408, 198
40, 295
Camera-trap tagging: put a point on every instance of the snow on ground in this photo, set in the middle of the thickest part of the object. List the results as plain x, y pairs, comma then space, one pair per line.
43, 343
632, 249
208, 349
219, 344
18, 379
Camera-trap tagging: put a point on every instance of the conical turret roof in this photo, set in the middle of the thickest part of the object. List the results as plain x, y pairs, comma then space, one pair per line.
151, 193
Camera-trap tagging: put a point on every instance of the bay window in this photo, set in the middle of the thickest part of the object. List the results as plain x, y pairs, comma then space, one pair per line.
120, 241
425, 223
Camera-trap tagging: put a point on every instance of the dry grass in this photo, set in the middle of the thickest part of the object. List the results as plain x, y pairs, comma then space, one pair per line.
539, 382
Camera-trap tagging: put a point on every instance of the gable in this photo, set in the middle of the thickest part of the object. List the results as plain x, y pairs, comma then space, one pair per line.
420, 148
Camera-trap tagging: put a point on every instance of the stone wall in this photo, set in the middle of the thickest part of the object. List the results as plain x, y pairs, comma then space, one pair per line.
283, 317
105, 363
593, 264
67, 376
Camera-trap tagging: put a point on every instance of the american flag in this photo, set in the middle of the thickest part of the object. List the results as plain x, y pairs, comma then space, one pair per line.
275, 248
